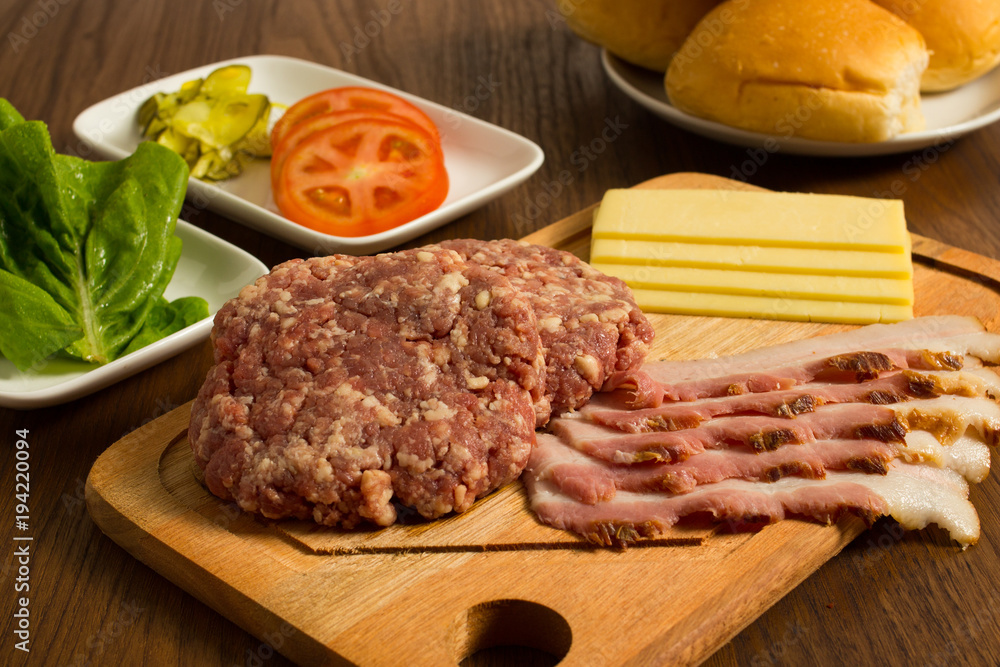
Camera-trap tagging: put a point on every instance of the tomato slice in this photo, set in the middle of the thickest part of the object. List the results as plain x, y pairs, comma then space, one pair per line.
351, 97
362, 177
298, 132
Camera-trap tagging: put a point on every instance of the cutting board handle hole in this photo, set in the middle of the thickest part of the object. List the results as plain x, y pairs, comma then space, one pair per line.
543, 634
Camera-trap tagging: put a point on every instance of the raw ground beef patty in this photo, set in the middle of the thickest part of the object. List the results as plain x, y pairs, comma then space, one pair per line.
342, 385
589, 323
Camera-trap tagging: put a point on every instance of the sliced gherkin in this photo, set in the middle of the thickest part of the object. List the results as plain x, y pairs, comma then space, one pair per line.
257, 142
148, 111
212, 123
233, 116
190, 119
189, 90
175, 141
230, 80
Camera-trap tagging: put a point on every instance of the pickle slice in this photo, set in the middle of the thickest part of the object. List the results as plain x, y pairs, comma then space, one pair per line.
212, 122
257, 142
233, 79
175, 141
233, 116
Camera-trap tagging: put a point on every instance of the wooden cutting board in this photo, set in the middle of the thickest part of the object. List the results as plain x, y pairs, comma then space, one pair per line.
434, 593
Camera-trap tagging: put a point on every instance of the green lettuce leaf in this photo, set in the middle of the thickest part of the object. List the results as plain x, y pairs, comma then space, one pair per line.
96, 237
32, 309
168, 317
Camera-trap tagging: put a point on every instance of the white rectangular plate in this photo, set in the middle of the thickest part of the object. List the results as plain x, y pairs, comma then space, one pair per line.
483, 160
209, 267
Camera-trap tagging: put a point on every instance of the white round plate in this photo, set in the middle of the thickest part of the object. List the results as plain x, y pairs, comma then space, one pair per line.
949, 115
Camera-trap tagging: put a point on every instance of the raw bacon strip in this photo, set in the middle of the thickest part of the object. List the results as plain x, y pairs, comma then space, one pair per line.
631, 516
896, 387
759, 433
946, 417
914, 495
650, 391
917, 333
590, 480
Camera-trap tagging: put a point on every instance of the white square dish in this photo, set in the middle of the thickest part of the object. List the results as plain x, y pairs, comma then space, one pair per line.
209, 267
483, 160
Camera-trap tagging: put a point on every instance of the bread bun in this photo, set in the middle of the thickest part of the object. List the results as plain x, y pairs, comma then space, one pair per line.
836, 70
963, 37
642, 32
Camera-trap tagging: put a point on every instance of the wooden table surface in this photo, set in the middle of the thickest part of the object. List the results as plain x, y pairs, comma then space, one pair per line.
886, 599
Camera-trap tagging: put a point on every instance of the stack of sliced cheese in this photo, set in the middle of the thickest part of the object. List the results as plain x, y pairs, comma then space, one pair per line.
788, 256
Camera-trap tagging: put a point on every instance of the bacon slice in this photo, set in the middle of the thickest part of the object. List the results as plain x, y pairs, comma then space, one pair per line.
916, 334
647, 391
758, 433
914, 495
611, 409
886, 419
591, 480
631, 516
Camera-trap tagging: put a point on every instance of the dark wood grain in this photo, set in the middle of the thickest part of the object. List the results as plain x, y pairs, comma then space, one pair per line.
887, 599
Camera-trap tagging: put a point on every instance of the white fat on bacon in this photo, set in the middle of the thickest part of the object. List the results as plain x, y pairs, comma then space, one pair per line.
982, 345
916, 334
950, 417
914, 495
648, 391
971, 381
968, 455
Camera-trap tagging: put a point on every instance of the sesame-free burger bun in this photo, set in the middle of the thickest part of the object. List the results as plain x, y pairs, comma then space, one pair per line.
835, 70
642, 32
963, 37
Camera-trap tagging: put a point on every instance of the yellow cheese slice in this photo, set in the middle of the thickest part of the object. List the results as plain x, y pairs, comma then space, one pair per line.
733, 217
803, 310
753, 258
756, 283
